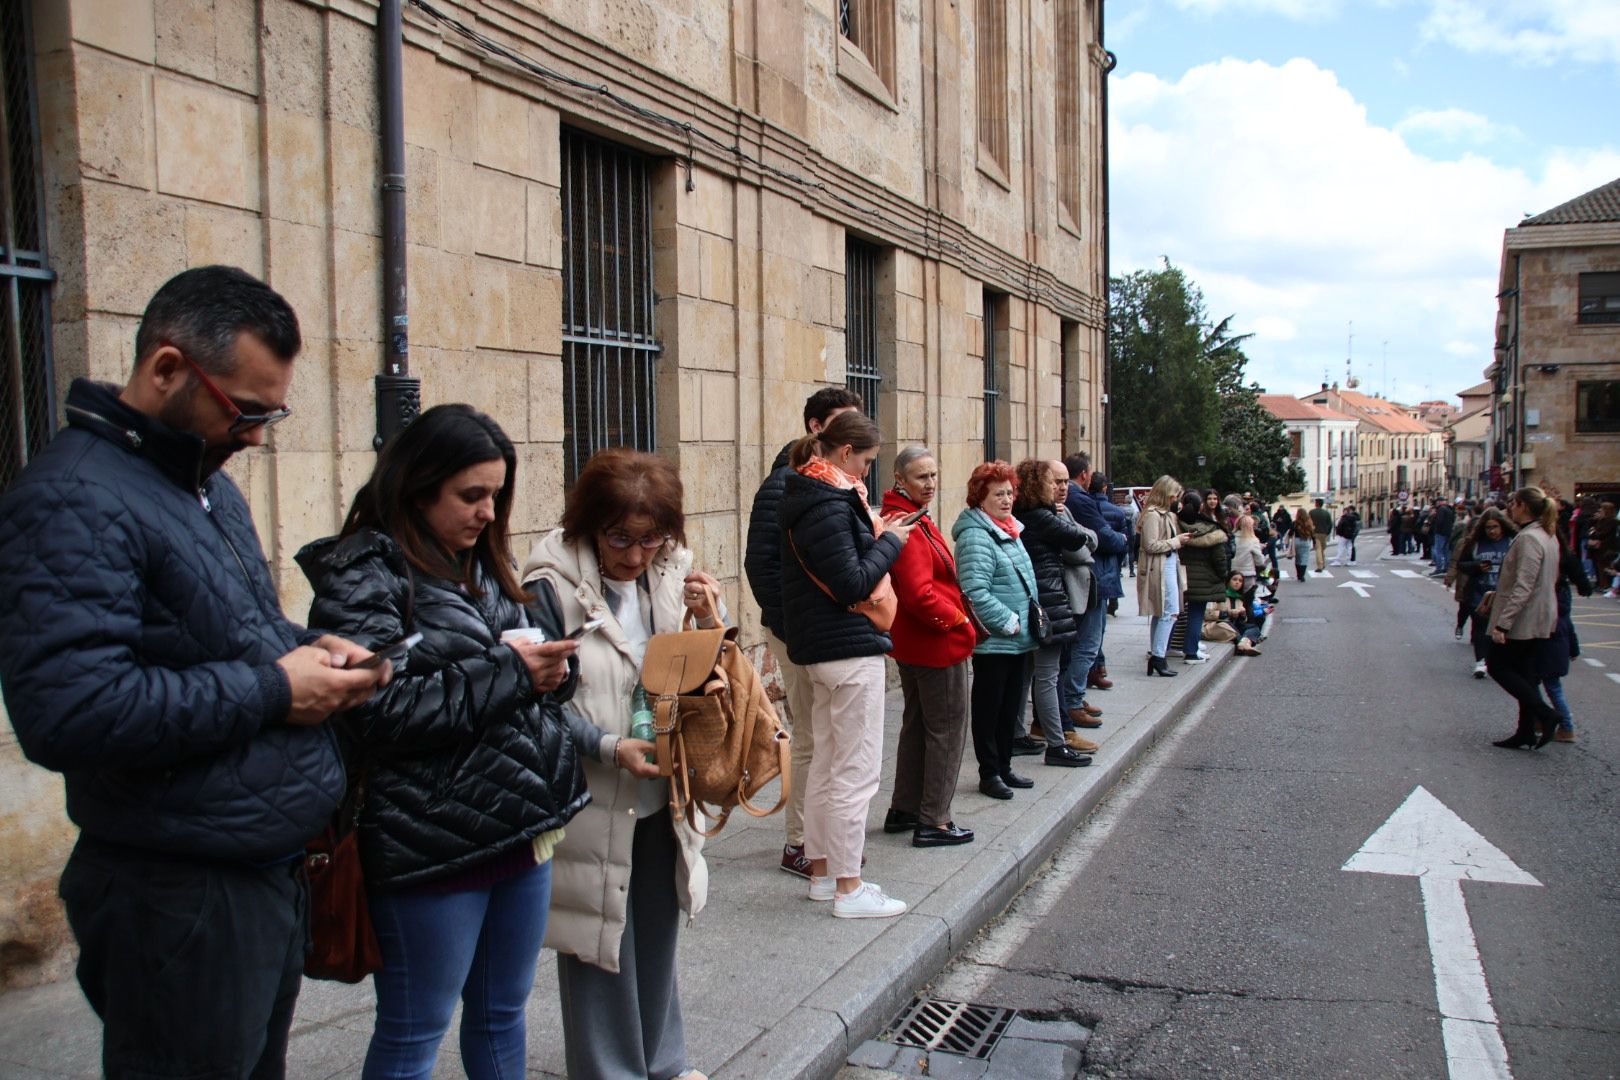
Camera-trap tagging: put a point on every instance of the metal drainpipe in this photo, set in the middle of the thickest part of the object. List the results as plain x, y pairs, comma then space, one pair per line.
399, 395
1110, 61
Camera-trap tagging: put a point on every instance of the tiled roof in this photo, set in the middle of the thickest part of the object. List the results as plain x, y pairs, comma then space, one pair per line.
1599, 204
1376, 411
1284, 407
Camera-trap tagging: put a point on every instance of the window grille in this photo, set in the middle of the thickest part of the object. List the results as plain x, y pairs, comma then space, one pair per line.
610, 351
992, 377
27, 406
861, 372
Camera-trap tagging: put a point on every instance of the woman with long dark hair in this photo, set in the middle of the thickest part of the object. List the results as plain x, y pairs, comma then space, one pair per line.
1205, 559
1478, 562
467, 771
1304, 541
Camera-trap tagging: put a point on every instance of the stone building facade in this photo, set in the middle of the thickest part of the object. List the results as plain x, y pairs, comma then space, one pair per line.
1398, 459
1555, 406
1322, 441
656, 222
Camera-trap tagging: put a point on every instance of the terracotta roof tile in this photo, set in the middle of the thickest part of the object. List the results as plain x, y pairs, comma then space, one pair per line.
1599, 204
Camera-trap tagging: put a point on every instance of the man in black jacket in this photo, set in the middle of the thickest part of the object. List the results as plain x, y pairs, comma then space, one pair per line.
144, 655
1076, 674
762, 562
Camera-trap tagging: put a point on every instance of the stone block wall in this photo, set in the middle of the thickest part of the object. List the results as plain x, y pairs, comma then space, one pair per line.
182, 132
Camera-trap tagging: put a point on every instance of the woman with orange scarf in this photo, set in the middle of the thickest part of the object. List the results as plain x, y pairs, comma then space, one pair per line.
836, 552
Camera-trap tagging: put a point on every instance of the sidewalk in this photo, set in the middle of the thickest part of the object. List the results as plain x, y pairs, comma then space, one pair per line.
772, 986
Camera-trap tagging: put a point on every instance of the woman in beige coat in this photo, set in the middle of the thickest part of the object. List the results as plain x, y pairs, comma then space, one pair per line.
1523, 614
1160, 579
626, 869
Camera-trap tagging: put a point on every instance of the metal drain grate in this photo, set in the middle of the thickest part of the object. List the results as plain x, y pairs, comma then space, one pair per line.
951, 1027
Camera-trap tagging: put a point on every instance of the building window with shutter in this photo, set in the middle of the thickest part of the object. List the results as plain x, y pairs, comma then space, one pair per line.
1599, 299
27, 389
991, 54
610, 349
867, 26
1069, 49
1597, 407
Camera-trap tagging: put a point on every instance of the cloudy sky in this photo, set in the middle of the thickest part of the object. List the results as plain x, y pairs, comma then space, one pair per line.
1329, 168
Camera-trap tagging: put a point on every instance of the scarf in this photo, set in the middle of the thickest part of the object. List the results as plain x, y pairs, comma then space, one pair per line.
821, 469
1011, 526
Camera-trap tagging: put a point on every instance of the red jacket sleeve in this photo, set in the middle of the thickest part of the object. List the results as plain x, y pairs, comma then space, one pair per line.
914, 584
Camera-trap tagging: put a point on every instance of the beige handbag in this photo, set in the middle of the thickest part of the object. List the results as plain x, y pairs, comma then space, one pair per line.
718, 736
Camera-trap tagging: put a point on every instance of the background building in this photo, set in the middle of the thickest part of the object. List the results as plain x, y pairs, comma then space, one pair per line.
1555, 404
660, 224
1399, 458
1322, 441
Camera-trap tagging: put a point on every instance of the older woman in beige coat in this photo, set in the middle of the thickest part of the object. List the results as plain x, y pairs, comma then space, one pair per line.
626, 869
1160, 579
1523, 614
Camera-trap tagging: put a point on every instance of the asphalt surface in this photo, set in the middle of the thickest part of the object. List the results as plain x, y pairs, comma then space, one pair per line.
1201, 925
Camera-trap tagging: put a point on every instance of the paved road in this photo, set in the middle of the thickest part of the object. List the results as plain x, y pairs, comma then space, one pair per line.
1201, 922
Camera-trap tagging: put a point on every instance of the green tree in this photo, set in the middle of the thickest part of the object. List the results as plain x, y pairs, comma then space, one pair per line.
1178, 393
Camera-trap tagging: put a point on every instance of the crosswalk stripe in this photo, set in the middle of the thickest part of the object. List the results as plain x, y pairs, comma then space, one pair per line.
1406, 573
1324, 573
1592, 662
1362, 573
1615, 677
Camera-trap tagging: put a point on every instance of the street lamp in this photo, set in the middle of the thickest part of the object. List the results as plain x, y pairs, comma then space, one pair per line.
1200, 461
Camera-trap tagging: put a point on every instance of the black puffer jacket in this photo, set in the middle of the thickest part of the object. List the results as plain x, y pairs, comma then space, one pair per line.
832, 530
1046, 537
762, 557
139, 632
464, 760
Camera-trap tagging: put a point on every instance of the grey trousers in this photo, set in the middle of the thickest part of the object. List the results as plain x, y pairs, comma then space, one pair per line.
628, 1026
1048, 702
933, 728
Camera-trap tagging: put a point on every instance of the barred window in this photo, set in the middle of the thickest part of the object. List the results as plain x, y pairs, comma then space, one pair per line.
861, 372
27, 391
610, 349
995, 374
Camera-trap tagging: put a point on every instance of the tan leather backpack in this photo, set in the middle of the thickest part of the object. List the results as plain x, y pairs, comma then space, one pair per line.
718, 736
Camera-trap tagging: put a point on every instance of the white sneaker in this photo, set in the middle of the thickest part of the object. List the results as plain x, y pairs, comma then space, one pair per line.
1479, 669
1457, 635
1199, 659
823, 888
867, 902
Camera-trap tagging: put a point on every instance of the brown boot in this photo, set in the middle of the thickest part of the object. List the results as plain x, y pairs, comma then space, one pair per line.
1079, 743
1083, 717
1099, 680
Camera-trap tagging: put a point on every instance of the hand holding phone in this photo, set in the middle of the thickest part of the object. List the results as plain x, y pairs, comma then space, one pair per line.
588, 627
912, 519
394, 650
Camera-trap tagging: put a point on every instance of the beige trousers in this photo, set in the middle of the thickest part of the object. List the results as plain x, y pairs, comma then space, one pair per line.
799, 713
848, 710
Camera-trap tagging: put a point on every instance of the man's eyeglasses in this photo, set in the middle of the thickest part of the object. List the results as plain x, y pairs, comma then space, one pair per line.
620, 541
240, 421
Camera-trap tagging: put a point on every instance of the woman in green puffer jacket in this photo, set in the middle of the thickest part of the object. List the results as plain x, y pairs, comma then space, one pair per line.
998, 582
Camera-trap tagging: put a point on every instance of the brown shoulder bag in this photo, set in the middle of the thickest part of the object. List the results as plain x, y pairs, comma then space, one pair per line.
718, 736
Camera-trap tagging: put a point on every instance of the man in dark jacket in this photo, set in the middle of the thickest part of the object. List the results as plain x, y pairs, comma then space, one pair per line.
144, 655
1072, 683
1441, 522
762, 562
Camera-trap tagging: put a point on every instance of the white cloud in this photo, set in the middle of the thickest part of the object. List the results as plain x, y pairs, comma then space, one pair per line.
1537, 32
1277, 195
1451, 126
1308, 10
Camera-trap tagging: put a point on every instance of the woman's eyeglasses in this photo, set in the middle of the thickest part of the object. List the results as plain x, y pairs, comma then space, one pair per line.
621, 541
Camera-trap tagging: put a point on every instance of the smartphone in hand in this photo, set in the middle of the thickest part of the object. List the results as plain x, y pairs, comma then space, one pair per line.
912, 519
585, 628
394, 650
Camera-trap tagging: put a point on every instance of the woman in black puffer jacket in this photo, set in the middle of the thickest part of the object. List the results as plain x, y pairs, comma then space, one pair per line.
835, 552
1054, 541
467, 767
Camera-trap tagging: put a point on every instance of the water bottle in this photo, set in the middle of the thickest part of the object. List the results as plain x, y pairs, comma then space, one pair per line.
641, 719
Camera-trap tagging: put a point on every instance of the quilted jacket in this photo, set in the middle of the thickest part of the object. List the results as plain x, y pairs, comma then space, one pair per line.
832, 531
464, 760
1047, 537
997, 579
139, 633
762, 555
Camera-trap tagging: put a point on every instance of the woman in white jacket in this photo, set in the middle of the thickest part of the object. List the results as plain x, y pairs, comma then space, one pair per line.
627, 870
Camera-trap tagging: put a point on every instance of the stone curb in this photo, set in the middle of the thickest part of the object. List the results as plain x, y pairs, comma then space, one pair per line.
814, 1039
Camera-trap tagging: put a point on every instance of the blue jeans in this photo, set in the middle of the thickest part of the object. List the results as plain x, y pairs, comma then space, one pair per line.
1555, 692
479, 946
1195, 628
1441, 548
1072, 688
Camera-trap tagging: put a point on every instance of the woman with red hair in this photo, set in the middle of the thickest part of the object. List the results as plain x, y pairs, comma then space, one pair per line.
998, 582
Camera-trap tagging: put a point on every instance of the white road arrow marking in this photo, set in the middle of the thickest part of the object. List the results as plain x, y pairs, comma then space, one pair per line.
1364, 573
1407, 573
1361, 589
1424, 839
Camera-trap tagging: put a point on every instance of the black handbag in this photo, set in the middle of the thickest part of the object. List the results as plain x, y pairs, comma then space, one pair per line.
1040, 625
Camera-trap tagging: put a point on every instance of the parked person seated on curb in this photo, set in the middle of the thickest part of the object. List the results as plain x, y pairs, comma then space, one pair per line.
1231, 619
762, 562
